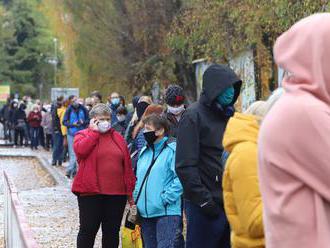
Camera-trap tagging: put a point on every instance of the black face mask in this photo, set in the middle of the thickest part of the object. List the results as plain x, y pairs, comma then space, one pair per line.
141, 108
150, 137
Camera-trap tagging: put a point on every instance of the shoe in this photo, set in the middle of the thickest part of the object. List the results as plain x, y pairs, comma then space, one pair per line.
54, 163
59, 163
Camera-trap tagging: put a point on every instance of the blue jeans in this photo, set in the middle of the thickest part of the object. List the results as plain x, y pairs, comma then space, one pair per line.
34, 136
160, 232
203, 231
72, 168
57, 147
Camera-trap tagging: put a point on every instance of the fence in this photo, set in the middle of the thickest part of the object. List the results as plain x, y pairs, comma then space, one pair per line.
17, 230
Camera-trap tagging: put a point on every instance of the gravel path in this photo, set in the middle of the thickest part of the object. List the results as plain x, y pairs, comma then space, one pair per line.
51, 209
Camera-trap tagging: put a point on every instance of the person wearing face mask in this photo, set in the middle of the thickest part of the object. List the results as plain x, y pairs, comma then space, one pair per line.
158, 190
121, 126
174, 98
34, 120
104, 181
134, 127
46, 124
11, 120
58, 133
19, 125
198, 158
75, 119
114, 103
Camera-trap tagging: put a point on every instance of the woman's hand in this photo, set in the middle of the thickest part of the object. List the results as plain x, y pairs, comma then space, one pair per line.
130, 200
93, 124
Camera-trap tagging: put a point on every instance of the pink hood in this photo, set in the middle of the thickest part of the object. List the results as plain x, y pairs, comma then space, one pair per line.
294, 142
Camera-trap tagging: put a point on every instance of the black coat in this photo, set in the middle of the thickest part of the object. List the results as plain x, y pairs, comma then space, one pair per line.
56, 122
199, 139
19, 115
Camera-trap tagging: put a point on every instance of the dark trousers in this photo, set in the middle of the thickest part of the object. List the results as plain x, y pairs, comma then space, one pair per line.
41, 136
49, 141
97, 210
203, 231
160, 232
19, 133
34, 136
57, 147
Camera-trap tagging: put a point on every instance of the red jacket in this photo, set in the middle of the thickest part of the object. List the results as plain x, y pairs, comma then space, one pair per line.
34, 119
85, 147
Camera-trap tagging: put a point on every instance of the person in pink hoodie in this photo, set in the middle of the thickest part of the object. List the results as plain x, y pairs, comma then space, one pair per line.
294, 152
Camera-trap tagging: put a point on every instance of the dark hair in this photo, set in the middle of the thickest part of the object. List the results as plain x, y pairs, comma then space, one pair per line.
121, 110
97, 94
158, 121
60, 98
122, 100
71, 97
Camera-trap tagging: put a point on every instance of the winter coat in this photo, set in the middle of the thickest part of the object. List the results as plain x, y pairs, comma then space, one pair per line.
174, 124
56, 121
86, 147
242, 197
46, 122
76, 119
201, 128
161, 193
19, 116
294, 143
34, 119
61, 113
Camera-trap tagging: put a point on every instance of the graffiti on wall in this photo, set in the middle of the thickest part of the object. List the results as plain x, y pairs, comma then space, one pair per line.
243, 65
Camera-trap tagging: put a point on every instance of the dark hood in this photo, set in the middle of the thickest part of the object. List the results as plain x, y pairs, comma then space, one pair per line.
215, 80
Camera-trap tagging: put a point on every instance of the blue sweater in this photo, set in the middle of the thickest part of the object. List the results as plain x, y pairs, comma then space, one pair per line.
161, 193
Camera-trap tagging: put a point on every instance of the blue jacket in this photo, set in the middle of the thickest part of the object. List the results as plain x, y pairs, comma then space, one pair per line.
79, 116
161, 193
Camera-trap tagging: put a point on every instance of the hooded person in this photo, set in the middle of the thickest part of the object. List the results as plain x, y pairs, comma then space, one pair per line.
293, 141
198, 157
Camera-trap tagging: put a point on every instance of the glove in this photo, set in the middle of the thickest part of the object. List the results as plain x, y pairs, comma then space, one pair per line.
210, 209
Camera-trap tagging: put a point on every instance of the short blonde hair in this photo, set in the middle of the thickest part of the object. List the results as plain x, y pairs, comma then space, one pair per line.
257, 108
100, 109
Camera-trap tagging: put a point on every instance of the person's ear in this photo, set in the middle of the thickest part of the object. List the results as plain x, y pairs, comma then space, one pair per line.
160, 132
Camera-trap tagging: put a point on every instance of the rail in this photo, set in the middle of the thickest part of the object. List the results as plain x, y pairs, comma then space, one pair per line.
17, 231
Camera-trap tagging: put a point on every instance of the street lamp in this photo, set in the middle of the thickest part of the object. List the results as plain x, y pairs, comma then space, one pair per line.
55, 61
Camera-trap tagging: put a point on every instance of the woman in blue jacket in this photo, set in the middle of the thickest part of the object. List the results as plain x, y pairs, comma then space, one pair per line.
158, 189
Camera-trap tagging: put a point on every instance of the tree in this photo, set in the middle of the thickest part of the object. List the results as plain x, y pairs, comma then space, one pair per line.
26, 46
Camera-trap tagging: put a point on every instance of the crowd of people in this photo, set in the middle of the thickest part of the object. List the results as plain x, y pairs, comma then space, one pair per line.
235, 178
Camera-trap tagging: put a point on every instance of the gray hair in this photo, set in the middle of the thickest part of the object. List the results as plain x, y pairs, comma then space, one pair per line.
99, 110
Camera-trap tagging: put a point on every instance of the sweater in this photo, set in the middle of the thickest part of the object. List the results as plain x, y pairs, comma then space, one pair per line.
34, 119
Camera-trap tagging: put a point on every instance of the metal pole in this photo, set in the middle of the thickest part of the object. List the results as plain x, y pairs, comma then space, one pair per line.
55, 62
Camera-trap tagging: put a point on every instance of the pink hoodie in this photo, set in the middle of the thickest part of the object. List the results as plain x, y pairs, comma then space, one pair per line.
294, 153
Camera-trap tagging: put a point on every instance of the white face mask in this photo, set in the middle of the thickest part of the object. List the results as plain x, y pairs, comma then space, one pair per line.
176, 111
121, 118
104, 126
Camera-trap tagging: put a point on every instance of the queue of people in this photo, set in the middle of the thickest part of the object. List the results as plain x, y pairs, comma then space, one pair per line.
234, 179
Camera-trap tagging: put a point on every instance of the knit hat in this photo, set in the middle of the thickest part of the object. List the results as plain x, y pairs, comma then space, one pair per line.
174, 95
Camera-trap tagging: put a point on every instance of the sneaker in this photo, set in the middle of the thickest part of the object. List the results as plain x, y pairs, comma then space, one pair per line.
54, 163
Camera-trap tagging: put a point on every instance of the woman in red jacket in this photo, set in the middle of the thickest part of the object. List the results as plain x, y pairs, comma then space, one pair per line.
104, 180
34, 120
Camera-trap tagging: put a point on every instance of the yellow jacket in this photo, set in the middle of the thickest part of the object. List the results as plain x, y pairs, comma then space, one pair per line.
242, 198
61, 112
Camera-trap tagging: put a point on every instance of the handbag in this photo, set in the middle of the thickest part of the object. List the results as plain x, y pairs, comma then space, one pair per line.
133, 217
131, 238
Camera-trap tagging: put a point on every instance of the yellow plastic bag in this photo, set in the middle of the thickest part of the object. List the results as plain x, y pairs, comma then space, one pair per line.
131, 238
